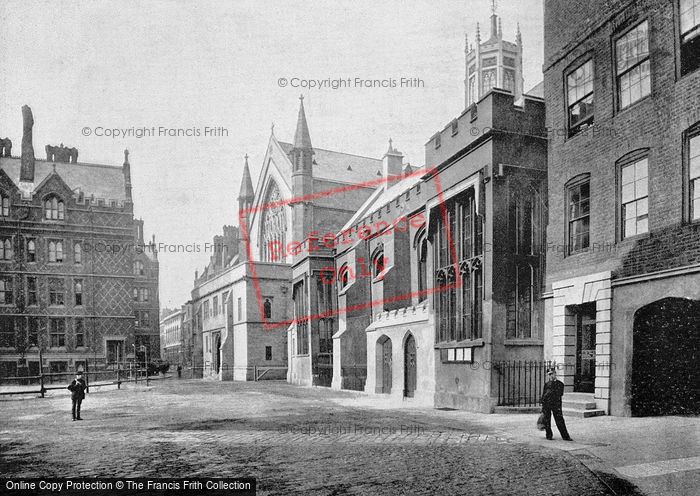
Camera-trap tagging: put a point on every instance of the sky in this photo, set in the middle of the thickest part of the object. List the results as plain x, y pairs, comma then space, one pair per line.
87, 67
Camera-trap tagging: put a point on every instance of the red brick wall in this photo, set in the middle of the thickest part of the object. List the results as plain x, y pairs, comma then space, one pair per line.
656, 122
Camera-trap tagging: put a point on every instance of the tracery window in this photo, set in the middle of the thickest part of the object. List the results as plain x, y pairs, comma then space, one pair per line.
458, 254
274, 227
508, 80
301, 318
488, 81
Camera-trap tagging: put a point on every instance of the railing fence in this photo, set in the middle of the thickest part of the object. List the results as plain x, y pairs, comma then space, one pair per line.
520, 382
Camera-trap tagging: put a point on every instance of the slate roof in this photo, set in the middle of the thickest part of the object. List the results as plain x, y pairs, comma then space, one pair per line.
341, 167
102, 181
382, 196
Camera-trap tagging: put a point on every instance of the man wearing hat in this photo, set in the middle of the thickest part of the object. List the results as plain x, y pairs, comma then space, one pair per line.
551, 404
77, 389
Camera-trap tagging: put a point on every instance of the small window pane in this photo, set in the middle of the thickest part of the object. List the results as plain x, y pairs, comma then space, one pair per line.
643, 207
641, 188
641, 169
690, 14
695, 147
642, 226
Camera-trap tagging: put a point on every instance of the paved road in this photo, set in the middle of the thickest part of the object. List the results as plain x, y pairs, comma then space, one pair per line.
293, 440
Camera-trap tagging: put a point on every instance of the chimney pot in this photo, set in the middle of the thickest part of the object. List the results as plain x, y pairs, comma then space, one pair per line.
27, 164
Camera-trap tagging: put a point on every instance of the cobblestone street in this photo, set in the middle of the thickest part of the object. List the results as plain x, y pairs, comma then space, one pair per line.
293, 440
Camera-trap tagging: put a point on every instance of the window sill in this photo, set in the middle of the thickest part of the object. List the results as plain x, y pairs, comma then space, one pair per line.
636, 237
469, 343
571, 134
523, 342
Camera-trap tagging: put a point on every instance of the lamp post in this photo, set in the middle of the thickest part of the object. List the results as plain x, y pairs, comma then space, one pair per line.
145, 357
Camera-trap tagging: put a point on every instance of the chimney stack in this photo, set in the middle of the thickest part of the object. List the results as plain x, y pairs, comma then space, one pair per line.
27, 167
392, 163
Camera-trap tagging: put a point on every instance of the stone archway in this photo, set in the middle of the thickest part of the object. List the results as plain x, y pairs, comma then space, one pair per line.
666, 347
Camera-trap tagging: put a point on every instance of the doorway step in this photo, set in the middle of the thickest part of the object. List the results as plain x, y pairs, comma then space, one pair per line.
581, 405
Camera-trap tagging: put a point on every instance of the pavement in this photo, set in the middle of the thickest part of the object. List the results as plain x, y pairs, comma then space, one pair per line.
296, 440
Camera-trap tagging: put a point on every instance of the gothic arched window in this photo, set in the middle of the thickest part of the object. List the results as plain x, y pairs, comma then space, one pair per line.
472, 89
54, 208
78, 253
509, 81
488, 79
274, 227
4, 205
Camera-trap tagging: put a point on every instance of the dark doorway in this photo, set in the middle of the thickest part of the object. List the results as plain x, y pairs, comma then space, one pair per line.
584, 378
410, 367
217, 354
665, 355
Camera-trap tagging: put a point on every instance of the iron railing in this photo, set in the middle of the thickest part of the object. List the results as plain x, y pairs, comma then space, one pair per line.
520, 382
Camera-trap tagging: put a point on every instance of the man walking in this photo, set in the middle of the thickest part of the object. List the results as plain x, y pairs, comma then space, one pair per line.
551, 405
77, 389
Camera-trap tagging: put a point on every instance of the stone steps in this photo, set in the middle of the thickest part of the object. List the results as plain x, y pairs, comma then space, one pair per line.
581, 405
569, 412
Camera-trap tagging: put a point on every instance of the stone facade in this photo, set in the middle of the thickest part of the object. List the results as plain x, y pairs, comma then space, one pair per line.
171, 341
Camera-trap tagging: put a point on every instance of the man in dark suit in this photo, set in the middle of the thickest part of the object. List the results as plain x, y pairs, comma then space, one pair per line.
551, 405
77, 389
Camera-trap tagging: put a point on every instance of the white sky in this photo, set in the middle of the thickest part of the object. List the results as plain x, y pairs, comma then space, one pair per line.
180, 64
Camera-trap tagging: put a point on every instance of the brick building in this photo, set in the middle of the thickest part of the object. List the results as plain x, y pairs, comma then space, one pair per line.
622, 88
67, 261
145, 295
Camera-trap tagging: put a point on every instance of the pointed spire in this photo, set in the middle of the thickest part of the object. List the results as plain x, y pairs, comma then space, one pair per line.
272, 128
302, 139
500, 28
518, 36
126, 157
478, 34
247, 192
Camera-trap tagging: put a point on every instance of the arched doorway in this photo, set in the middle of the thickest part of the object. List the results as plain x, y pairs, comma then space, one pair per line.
409, 367
666, 348
384, 359
217, 354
